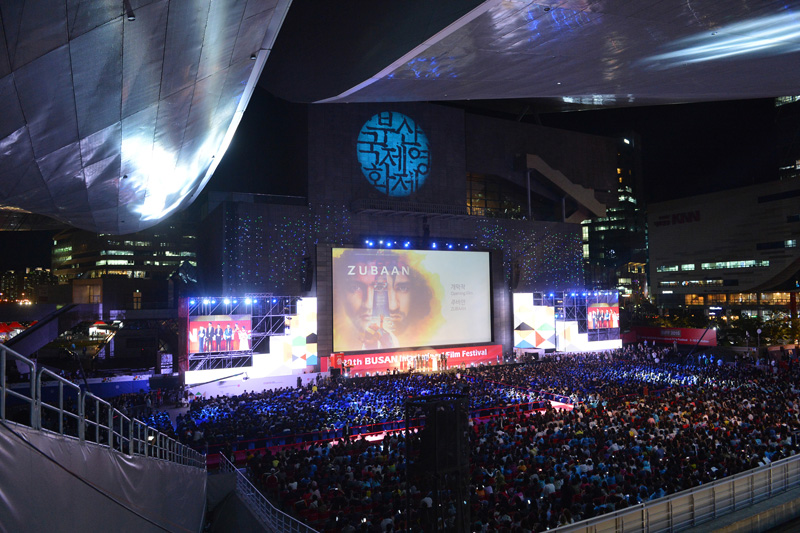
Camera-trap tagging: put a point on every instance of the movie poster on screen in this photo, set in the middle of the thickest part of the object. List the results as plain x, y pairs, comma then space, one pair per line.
385, 299
219, 333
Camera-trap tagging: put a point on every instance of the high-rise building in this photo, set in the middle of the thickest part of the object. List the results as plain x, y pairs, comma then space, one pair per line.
9, 286
16, 285
151, 254
35, 278
615, 246
787, 126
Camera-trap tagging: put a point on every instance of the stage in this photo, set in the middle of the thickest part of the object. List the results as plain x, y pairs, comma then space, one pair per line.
267, 372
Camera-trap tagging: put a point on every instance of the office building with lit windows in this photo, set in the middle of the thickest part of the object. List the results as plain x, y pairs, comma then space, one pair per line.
787, 117
742, 257
150, 254
615, 245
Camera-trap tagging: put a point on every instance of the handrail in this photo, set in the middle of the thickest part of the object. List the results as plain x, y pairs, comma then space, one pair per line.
98, 426
101, 423
4, 352
59, 409
698, 505
272, 518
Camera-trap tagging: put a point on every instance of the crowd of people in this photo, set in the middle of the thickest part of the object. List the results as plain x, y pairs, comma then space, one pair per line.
639, 430
643, 425
329, 407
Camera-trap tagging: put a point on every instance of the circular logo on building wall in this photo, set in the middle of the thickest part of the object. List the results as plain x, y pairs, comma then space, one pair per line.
394, 153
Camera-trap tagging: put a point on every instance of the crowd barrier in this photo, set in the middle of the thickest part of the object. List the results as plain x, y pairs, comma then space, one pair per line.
81, 415
377, 428
302, 440
693, 507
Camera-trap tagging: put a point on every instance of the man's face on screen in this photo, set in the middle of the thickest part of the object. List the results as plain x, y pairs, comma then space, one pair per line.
359, 293
399, 301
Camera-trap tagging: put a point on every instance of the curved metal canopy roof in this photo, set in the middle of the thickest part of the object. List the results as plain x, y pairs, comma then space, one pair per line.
113, 114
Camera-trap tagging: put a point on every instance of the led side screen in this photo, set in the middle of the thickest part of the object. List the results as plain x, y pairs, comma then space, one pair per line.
219, 333
385, 299
602, 315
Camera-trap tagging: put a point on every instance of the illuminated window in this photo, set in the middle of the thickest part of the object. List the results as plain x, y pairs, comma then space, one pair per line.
702, 282
586, 251
688, 266
783, 100
667, 268
492, 196
749, 263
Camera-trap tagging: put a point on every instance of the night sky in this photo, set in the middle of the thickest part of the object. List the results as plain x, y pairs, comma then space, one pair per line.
21, 249
690, 149
686, 150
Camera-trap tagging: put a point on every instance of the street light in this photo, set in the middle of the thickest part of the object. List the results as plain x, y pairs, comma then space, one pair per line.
759, 339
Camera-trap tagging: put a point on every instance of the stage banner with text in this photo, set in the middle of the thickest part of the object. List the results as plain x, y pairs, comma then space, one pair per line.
430, 359
692, 336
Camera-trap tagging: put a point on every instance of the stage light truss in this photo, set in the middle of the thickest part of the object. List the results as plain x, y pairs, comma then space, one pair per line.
225, 305
212, 361
571, 305
412, 243
269, 316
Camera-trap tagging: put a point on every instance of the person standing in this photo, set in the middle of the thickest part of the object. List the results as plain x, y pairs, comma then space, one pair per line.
218, 338
201, 339
210, 338
227, 336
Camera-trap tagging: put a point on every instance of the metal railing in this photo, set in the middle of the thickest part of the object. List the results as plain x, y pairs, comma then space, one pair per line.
699, 505
268, 515
81, 415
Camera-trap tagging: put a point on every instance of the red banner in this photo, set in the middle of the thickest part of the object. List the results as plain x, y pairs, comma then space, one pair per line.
706, 337
429, 359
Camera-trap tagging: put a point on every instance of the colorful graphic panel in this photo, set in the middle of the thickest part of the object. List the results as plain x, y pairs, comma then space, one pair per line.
534, 325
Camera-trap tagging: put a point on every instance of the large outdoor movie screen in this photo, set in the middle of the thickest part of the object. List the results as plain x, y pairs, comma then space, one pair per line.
386, 299
219, 333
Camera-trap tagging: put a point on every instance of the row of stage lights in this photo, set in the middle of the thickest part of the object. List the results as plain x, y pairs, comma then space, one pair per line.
385, 243
590, 293
227, 301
